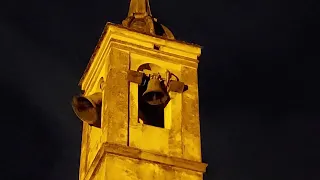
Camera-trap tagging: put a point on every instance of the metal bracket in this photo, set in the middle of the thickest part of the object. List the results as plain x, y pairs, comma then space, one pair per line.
135, 77
177, 86
173, 85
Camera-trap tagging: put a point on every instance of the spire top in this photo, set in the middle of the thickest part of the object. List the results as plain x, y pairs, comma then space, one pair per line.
140, 19
139, 8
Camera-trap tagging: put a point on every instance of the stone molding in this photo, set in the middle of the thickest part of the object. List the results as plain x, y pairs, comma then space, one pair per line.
126, 151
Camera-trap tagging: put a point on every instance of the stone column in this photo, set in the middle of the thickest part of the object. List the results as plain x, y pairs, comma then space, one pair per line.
191, 141
116, 98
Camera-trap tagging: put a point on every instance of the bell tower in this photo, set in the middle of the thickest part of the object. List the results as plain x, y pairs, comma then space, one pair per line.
139, 106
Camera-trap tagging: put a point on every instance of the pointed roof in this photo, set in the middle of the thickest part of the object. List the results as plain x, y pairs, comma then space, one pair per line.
140, 19
139, 7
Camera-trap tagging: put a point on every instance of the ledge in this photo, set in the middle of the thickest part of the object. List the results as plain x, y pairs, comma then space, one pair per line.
135, 153
126, 151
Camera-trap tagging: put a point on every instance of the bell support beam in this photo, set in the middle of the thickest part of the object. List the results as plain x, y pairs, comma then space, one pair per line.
173, 85
135, 77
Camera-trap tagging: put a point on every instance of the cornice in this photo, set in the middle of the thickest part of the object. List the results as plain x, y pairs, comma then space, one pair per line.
125, 39
138, 154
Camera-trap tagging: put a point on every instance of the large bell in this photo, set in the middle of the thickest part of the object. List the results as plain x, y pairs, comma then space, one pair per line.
154, 94
88, 108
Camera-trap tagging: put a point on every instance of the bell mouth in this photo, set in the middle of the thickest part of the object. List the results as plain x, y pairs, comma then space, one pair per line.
82, 103
85, 109
155, 98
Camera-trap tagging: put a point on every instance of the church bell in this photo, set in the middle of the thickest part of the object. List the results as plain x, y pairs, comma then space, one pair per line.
154, 94
88, 108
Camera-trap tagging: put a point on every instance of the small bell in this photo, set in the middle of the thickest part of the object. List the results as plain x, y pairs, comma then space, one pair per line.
154, 95
88, 108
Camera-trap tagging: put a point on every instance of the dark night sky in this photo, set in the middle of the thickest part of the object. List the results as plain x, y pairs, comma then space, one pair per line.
258, 83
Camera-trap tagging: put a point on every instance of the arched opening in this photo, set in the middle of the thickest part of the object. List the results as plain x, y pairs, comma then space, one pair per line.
150, 114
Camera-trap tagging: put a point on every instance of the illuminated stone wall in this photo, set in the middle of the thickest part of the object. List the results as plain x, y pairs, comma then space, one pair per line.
123, 148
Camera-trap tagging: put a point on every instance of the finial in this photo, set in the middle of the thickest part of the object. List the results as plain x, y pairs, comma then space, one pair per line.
139, 8
140, 19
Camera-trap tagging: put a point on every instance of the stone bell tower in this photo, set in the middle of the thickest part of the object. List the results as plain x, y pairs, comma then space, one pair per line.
140, 108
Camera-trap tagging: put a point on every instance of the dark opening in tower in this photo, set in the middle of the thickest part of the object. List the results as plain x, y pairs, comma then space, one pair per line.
149, 114
152, 95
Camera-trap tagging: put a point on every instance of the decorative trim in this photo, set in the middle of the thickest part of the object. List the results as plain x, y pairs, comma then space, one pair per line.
109, 24
164, 56
136, 153
95, 163
112, 32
